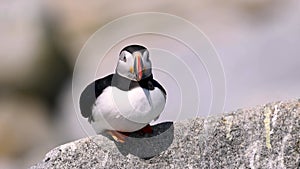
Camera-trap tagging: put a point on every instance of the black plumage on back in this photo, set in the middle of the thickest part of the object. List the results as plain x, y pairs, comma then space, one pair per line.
90, 94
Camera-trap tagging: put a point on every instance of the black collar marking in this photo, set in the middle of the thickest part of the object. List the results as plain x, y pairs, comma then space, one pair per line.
93, 90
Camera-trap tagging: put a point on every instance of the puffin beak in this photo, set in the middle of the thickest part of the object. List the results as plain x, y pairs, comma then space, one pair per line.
138, 67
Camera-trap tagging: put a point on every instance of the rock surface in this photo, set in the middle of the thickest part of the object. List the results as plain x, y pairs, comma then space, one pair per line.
266, 136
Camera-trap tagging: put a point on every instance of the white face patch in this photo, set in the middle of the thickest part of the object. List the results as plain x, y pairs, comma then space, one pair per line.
147, 69
125, 65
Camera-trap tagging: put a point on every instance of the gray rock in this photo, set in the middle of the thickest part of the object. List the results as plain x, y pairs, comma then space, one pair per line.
262, 137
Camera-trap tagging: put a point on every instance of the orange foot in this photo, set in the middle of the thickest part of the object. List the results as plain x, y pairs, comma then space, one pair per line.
147, 129
117, 136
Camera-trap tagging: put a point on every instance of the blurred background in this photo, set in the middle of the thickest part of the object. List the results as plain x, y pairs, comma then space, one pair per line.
257, 41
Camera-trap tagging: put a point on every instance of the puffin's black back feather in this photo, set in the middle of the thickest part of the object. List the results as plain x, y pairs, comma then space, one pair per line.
93, 90
90, 94
133, 48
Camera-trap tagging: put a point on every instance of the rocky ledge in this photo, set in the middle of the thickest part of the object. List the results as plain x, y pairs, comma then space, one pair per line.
266, 136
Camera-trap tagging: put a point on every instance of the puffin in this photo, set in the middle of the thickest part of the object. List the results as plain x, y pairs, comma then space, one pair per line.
127, 100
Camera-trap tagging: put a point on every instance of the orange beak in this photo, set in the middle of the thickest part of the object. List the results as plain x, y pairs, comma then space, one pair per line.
138, 67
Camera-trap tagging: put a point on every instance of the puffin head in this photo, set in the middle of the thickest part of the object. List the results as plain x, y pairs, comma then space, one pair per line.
134, 63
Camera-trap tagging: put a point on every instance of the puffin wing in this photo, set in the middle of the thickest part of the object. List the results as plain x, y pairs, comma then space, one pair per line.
156, 84
90, 94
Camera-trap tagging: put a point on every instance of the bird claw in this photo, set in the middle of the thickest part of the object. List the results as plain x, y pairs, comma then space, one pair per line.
147, 129
117, 136
120, 137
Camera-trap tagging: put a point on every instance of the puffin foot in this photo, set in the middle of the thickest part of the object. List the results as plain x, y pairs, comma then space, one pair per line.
147, 129
117, 136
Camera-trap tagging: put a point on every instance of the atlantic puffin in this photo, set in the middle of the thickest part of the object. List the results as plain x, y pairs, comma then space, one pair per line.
126, 101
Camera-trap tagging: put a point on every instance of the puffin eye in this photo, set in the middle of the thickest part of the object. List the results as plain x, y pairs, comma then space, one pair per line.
123, 57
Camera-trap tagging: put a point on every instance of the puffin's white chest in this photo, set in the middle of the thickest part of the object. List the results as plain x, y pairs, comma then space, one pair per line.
127, 111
